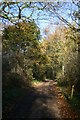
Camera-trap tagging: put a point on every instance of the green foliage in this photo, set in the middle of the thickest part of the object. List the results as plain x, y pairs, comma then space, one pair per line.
62, 50
6, 65
49, 72
20, 50
18, 80
34, 81
70, 62
39, 71
53, 48
71, 58
75, 102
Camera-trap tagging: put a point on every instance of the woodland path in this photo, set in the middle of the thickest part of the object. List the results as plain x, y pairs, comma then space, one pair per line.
45, 101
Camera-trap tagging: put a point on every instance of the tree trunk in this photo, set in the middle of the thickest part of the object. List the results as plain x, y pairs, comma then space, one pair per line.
72, 91
79, 42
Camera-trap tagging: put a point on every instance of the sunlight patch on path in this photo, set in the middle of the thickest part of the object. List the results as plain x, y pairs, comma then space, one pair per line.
45, 105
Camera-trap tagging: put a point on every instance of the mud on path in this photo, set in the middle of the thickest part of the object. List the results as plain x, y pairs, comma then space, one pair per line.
45, 101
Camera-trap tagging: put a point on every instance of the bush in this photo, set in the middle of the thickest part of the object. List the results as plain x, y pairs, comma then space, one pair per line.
49, 73
62, 81
39, 72
16, 80
5, 65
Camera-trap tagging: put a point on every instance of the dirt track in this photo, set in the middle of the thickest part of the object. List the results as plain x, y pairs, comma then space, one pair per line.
45, 101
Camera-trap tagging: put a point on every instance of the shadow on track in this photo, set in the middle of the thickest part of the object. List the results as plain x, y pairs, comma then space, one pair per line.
36, 103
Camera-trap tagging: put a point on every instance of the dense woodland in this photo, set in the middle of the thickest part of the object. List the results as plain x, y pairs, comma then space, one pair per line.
53, 58
25, 58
